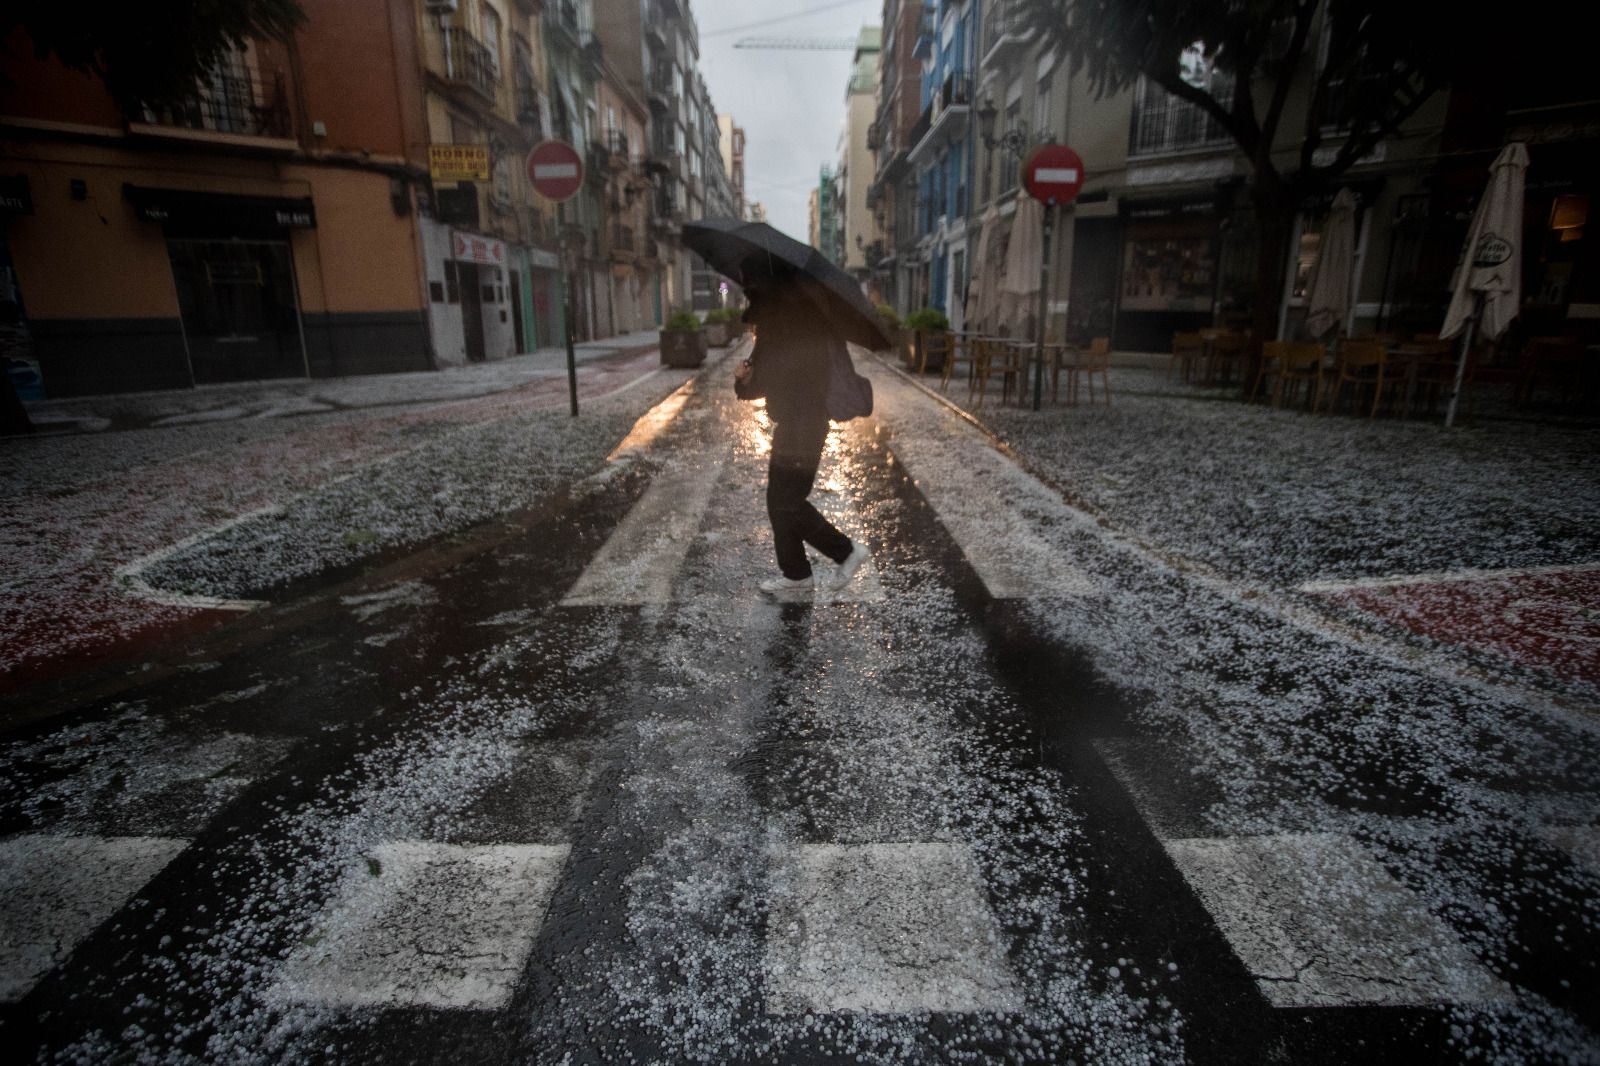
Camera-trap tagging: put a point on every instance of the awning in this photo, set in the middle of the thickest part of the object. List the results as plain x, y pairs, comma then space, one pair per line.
223, 212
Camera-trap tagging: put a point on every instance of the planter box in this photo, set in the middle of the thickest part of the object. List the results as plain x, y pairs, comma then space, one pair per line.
718, 334
683, 349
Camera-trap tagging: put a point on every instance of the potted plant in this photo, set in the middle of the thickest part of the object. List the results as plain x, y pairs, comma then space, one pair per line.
921, 323
683, 342
720, 326
891, 322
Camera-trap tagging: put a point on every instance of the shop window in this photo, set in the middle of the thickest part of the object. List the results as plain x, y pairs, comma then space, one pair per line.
1168, 274
452, 282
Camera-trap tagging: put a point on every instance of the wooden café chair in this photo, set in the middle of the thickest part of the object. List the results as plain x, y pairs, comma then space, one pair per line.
1096, 359
1301, 363
1188, 349
964, 353
1362, 364
933, 349
996, 358
1273, 354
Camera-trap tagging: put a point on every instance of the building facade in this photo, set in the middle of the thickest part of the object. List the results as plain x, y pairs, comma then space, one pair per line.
858, 224
1163, 236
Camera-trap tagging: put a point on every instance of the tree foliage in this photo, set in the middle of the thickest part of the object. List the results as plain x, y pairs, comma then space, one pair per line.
1367, 66
147, 52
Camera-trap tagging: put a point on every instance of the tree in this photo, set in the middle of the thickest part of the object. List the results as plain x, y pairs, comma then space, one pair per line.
1367, 66
148, 54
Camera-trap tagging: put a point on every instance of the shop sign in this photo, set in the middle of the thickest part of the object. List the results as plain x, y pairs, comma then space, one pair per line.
458, 162
15, 197
470, 248
543, 260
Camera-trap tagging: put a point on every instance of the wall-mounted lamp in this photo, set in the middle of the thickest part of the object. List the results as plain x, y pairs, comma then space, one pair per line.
1013, 140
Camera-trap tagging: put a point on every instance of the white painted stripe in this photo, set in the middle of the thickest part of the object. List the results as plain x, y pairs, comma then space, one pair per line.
130, 576
984, 500
424, 924
555, 170
655, 421
885, 929
58, 889
1062, 175
1442, 577
643, 555
1319, 922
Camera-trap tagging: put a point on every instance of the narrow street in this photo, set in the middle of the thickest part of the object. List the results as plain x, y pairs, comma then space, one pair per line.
554, 783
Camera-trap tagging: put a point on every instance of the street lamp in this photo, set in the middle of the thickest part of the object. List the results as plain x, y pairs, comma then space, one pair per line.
1013, 140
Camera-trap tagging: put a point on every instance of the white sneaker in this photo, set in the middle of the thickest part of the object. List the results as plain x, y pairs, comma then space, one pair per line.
788, 587
847, 569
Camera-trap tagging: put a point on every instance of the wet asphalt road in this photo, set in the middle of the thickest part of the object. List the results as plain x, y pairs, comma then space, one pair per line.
737, 796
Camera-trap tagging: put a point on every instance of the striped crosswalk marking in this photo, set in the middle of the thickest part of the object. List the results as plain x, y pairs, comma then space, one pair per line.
885, 929
1319, 922
986, 502
425, 924
638, 563
1315, 917
58, 889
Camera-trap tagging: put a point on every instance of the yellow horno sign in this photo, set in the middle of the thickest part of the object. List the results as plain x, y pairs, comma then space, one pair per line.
458, 162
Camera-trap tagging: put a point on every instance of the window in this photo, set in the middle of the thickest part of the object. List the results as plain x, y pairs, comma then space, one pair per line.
1041, 109
491, 37
1010, 165
1164, 123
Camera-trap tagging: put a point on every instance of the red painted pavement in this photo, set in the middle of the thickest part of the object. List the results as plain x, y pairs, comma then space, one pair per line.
1550, 622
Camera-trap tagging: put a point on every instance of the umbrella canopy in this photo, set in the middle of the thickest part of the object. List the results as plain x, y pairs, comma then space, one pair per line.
1491, 261
984, 282
1330, 285
742, 250
1019, 291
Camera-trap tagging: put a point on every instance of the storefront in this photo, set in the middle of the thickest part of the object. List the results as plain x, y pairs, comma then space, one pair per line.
233, 270
1168, 271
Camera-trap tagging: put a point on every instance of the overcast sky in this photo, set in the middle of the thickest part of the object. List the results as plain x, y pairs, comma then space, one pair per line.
790, 103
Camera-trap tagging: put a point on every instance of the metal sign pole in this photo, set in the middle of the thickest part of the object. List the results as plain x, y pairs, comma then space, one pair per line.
567, 282
1044, 289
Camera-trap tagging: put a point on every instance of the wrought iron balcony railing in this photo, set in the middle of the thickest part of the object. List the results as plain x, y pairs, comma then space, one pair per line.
467, 62
231, 100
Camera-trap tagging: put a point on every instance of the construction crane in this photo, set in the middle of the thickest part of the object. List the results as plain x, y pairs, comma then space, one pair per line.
810, 44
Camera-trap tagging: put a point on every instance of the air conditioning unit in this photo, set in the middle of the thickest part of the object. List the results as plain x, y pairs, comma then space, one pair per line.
440, 7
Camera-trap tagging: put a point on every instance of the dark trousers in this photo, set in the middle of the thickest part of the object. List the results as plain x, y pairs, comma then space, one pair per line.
796, 454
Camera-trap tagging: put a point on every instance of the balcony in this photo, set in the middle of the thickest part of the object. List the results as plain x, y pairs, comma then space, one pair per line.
468, 64
945, 118
617, 151
926, 35
660, 86
1006, 31
530, 112
231, 101
1164, 123
874, 138
623, 244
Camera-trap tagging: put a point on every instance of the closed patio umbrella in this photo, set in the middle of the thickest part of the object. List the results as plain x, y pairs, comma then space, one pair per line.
1329, 298
1487, 288
1019, 291
984, 281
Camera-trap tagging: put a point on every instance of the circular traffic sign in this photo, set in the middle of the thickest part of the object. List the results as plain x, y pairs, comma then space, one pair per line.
556, 170
1053, 174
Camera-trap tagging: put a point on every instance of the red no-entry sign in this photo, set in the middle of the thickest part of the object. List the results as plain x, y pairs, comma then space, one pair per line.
556, 170
1053, 174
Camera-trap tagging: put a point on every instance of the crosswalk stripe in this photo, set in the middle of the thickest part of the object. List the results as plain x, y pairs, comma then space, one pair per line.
885, 929
1314, 917
424, 924
58, 889
985, 502
643, 555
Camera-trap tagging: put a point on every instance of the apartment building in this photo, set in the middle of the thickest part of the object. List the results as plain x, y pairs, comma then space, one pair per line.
265, 228
1163, 236
858, 224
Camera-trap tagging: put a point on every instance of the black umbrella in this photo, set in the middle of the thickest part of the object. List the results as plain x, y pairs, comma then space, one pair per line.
738, 248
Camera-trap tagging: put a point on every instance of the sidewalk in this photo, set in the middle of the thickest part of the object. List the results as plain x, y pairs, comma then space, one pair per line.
283, 397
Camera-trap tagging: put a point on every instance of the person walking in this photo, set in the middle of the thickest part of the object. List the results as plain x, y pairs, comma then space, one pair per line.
789, 368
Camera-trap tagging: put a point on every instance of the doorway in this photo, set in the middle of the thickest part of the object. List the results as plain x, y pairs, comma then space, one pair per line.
471, 312
241, 312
